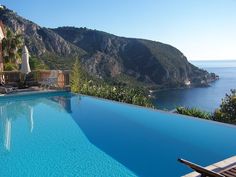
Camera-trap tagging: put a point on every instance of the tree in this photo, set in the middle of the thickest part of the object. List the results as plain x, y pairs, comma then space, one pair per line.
76, 77
227, 111
11, 47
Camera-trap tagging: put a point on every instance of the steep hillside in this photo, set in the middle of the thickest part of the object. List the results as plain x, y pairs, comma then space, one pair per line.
149, 62
106, 56
42, 42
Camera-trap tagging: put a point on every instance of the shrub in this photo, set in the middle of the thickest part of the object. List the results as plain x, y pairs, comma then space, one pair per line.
36, 64
10, 67
117, 93
227, 111
80, 83
194, 112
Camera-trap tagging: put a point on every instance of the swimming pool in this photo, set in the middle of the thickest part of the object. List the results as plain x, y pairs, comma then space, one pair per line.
61, 134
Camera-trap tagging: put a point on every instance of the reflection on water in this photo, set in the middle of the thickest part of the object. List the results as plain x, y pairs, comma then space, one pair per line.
40, 138
12, 110
64, 102
7, 141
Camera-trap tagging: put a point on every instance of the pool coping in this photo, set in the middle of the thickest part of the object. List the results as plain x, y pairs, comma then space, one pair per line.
27, 93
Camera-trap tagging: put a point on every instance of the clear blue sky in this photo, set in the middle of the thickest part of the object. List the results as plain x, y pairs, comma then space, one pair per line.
201, 29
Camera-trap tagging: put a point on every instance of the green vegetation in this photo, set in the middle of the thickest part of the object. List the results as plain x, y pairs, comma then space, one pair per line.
36, 64
54, 61
226, 113
76, 77
117, 93
80, 83
10, 66
12, 50
11, 47
194, 112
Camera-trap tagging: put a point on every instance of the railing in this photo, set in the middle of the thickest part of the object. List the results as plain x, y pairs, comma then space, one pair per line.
36, 77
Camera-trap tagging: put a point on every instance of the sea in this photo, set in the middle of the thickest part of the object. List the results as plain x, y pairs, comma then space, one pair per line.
206, 98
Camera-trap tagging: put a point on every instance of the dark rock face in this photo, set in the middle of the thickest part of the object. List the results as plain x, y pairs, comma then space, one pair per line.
149, 63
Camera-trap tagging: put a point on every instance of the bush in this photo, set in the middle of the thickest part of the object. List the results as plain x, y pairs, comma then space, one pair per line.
194, 112
36, 64
80, 84
10, 67
117, 93
227, 111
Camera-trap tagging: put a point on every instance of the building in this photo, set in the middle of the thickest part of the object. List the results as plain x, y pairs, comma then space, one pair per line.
2, 7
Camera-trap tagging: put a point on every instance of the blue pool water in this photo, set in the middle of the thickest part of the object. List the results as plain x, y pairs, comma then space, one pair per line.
66, 135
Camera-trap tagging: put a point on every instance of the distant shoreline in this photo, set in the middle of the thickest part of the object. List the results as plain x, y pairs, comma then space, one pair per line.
207, 99
208, 64
221, 60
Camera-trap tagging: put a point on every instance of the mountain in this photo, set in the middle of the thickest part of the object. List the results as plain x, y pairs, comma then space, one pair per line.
41, 42
106, 56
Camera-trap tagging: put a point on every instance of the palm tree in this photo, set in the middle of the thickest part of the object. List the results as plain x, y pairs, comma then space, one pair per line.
11, 47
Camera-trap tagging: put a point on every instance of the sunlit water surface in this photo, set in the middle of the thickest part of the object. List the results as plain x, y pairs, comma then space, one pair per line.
65, 135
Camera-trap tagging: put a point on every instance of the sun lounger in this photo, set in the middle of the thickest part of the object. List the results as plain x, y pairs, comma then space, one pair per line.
229, 171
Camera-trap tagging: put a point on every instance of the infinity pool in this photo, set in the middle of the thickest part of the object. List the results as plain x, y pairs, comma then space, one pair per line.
61, 134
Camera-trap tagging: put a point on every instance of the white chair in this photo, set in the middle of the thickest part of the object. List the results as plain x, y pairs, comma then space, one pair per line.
52, 80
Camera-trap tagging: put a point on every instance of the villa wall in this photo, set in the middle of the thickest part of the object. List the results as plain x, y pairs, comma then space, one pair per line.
2, 35
36, 77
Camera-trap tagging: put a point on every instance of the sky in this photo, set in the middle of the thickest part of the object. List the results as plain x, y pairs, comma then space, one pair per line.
201, 29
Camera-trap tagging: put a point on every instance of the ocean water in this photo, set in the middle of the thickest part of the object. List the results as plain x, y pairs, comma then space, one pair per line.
207, 99
69, 135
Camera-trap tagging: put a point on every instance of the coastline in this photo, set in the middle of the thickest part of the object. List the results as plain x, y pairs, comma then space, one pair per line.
207, 99
182, 88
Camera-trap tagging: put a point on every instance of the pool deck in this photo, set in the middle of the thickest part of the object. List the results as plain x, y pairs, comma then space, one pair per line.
217, 167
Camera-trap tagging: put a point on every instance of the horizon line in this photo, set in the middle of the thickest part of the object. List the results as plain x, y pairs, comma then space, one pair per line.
211, 59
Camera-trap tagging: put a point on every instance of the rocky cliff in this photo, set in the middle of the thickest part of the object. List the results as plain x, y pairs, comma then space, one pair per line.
106, 56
